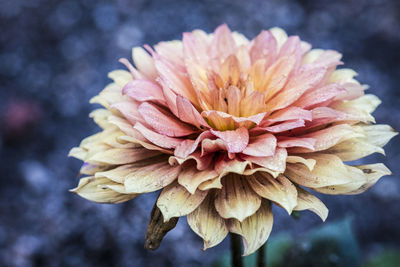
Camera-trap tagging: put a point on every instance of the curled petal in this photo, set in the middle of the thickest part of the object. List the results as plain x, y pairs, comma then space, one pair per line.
279, 190
261, 146
255, 229
191, 178
206, 222
99, 190
236, 199
275, 163
307, 201
156, 138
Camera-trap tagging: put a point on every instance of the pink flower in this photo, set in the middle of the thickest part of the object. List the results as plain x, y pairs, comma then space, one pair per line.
225, 126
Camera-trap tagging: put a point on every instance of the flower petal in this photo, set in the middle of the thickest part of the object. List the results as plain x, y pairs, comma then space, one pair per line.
176, 201
307, 201
164, 122
206, 222
151, 178
255, 229
373, 172
188, 113
118, 156
156, 138
279, 190
236, 199
191, 178
236, 141
144, 90
261, 146
95, 189
275, 163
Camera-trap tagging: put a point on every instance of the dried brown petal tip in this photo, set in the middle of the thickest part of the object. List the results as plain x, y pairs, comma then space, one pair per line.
157, 228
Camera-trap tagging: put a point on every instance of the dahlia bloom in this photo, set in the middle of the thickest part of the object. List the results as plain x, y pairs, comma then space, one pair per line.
225, 126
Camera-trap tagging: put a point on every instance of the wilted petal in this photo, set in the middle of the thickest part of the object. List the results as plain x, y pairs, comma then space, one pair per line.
307, 201
97, 190
373, 172
279, 190
310, 163
255, 229
176, 201
275, 163
206, 222
118, 156
236, 199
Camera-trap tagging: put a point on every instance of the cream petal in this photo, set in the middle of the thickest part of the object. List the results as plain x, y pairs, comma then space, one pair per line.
255, 229
151, 178
279, 190
144, 62
92, 169
307, 201
120, 77
280, 35
96, 189
342, 76
176, 201
118, 156
100, 117
353, 149
373, 172
236, 199
206, 222
310, 163
379, 134
78, 153
191, 178
329, 170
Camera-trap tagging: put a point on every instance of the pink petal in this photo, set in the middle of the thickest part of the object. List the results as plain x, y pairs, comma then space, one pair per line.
261, 146
202, 162
129, 109
264, 47
188, 146
319, 95
188, 113
290, 113
172, 53
163, 121
156, 138
195, 49
170, 97
353, 91
211, 146
236, 141
296, 87
285, 126
292, 46
223, 44
144, 90
286, 142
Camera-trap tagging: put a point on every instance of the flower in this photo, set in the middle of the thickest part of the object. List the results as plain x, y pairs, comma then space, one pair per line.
225, 126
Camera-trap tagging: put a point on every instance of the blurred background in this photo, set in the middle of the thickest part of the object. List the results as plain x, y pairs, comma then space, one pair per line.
55, 55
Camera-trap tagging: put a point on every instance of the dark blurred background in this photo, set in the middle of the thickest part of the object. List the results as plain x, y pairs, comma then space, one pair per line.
55, 55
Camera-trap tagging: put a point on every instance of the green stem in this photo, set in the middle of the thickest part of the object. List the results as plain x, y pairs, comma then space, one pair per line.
236, 249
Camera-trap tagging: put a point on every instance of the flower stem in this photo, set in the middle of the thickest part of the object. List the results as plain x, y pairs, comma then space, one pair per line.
262, 256
236, 248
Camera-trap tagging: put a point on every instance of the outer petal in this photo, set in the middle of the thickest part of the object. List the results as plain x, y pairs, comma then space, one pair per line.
191, 178
255, 229
329, 170
118, 156
176, 201
307, 201
144, 90
373, 172
236, 199
97, 190
206, 222
279, 190
151, 178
